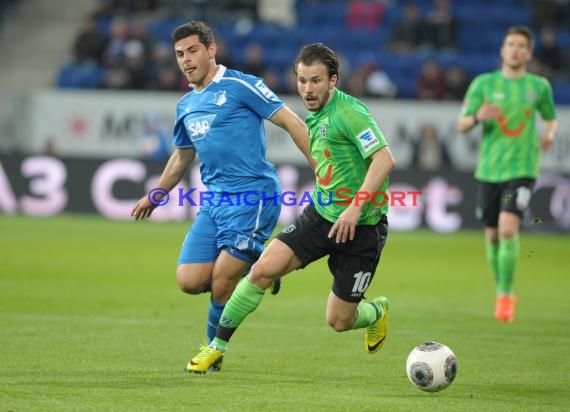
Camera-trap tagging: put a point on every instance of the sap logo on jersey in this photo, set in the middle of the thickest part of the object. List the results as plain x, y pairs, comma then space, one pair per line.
198, 127
367, 139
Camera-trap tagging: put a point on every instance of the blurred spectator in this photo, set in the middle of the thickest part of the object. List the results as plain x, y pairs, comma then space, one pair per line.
254, 62
430, 154
222, 54
117, 77
370, 80
456, 83
537, 67
273, 80
441, 26
431, 81
364, 14
549, 52
89, 44
163, 74
118, 37
551, 13
407, 34
135, 62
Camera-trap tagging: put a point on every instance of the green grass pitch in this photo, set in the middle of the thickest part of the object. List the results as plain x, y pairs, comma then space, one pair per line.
91, 319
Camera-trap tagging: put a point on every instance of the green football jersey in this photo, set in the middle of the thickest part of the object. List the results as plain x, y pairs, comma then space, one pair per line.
510, 147
343, 136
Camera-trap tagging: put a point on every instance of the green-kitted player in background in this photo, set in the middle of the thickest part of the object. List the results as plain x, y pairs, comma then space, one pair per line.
506, 102
352, 155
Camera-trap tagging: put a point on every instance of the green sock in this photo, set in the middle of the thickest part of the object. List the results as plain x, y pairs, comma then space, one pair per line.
366, 314
492, 252
245, 299
509, 250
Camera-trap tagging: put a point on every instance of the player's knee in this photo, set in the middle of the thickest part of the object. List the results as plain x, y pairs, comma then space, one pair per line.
190, 284
260, 276
507, 233
222, 289
338, 324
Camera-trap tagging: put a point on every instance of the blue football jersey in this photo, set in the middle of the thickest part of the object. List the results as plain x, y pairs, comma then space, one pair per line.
224, 123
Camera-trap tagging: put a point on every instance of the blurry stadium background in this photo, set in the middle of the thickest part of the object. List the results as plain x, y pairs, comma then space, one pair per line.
93, 86
90, 315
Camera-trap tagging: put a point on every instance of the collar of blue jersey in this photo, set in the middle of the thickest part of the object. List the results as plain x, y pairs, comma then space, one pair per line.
221, 70
219, 74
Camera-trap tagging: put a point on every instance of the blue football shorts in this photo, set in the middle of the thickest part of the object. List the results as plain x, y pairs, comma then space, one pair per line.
239, 230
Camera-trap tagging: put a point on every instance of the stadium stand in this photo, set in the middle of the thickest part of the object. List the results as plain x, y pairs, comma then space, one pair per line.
477, 28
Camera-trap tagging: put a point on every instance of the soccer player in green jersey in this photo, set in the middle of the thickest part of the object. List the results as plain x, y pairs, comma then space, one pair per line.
506, 102
352, 157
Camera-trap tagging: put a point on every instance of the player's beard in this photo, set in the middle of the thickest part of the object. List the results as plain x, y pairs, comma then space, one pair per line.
322, 101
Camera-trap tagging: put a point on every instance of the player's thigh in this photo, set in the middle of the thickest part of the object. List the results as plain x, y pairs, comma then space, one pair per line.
277, 260
354, 264
197, 255
516, 196
488, 203
243, 230
307, 237
200, 243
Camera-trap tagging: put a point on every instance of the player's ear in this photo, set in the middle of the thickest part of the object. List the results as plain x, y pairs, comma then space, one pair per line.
212, 50
333, 80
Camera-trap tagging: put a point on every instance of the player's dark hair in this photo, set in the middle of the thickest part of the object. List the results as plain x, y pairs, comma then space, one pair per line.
318, 53
199, 28
523, 31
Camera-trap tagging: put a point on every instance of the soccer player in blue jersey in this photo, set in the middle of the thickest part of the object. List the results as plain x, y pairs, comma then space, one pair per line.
221, 120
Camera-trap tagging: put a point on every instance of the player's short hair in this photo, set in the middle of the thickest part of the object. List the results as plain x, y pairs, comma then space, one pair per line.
199, 28
523, 31
318, 53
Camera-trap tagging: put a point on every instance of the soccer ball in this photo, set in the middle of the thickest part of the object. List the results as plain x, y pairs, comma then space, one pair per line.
431, 366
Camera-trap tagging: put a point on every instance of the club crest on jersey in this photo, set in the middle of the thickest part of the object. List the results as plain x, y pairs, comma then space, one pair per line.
198, 127
367, 139
323, 131
220, 98
242, 242
265, 90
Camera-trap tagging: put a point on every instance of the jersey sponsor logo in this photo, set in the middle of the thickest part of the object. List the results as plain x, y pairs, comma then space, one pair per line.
367, 139
198, 127
220, 98
265, 90
512, 133
499, 96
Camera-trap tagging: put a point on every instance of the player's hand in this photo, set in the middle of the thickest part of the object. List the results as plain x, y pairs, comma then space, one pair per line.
143, 208
546, 141
488, 111
345, 226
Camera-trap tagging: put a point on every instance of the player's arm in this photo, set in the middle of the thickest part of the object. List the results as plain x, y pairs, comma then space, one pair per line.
487, 111
288, 120
172, 174
548, 134
380, 167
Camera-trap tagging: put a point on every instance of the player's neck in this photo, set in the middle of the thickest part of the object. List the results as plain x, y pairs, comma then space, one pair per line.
513, 72
208, 79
